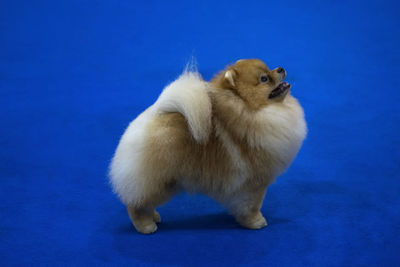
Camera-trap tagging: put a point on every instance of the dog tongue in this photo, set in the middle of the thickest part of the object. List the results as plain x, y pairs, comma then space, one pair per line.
280, 89
284, 85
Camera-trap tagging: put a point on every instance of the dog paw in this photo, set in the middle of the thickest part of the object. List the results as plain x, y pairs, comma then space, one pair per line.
253, 222
146, 228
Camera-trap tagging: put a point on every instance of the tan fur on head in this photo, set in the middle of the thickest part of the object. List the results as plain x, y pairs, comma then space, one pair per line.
229, 138
244, 77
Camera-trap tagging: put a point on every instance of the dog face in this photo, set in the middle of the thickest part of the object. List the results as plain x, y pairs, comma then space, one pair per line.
255, 83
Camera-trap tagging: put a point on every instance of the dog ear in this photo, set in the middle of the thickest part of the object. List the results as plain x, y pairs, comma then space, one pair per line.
230, 77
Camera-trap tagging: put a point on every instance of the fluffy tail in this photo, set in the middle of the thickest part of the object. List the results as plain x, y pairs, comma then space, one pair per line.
188, 95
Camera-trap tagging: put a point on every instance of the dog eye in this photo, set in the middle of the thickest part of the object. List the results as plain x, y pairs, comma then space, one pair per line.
264, 79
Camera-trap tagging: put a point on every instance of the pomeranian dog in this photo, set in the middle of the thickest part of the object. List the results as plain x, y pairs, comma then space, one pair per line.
228, 138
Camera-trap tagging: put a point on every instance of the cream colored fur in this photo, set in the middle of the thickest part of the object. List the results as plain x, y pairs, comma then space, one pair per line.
187, 95
279, 127
202, 137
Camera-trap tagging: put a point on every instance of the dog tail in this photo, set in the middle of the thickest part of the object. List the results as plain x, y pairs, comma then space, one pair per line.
188, 95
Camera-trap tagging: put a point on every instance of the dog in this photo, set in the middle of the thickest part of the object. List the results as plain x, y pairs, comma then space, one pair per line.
228, 138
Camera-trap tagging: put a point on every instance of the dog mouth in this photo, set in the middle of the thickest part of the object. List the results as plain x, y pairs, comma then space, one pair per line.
279, 90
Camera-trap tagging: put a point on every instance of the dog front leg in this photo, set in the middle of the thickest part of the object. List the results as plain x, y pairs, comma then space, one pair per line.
245, 205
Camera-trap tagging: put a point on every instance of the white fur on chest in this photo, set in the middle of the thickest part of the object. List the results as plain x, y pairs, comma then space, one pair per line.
282, 130
278, 129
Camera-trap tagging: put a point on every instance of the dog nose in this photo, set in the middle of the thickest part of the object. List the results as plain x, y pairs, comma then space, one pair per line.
280, 70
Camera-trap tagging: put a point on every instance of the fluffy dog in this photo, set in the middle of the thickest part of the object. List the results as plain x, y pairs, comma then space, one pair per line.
228, 138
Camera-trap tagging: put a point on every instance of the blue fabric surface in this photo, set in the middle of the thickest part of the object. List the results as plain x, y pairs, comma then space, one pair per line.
73, 74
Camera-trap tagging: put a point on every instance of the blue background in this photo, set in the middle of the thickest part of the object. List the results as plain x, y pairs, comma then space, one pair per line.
73, 74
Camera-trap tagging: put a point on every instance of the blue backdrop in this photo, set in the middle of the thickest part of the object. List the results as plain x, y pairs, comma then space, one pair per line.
73, 74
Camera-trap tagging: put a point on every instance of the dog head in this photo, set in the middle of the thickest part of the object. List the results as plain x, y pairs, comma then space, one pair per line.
254, 82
